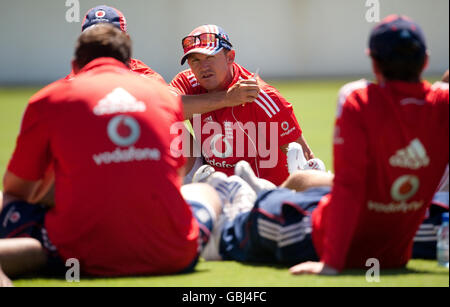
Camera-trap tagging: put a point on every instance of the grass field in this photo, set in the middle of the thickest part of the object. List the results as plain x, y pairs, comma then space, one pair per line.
314, 104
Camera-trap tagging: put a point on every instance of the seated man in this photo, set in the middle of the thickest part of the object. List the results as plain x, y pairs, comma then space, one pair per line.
118, 204
258, 131
380, 195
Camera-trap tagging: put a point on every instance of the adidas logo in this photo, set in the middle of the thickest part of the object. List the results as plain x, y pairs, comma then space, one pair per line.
118, 101
414, 156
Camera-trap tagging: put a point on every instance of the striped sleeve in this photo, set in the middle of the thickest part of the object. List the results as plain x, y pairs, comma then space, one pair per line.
272, 107
183, 84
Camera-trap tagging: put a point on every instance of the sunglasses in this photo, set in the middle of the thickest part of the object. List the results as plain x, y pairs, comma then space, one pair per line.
205, 40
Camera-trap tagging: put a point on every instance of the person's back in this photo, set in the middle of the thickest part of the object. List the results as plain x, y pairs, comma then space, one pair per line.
403, 160
118, 206
390, 150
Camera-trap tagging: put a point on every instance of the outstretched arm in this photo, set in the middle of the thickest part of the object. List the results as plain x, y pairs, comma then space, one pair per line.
242, 92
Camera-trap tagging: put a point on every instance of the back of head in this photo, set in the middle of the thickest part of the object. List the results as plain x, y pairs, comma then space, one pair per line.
102, 40
398, 47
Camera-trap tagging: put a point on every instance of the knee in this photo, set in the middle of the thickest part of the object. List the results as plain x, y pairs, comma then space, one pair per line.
204, 194
296, 181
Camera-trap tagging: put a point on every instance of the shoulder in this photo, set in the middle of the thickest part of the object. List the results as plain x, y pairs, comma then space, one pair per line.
46, 93
353, 88
350, 92
186, 76
270, 101
441, 91
184, 82
140, 67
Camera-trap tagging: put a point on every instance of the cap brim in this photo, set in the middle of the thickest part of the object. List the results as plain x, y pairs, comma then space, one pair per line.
205, 51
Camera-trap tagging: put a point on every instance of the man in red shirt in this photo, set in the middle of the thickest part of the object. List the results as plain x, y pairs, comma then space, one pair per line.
118, 206
257, 132
108, 14
397, 133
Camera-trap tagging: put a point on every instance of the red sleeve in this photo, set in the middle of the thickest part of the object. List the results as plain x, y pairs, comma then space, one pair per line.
180, 85
273, 108
348, 194
32, 156
139, 67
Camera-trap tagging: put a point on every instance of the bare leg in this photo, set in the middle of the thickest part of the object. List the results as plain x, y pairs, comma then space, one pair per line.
204, 194
303, 180
21, 256
207, 195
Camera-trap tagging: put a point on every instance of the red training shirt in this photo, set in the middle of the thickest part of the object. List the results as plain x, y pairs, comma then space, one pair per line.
244, 132
391, 148
118, 206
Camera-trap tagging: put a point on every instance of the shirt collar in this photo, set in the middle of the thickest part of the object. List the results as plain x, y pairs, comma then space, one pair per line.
101, 62
412, 89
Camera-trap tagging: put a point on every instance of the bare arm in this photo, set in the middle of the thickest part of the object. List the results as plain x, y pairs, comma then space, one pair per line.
29, 191
242, 92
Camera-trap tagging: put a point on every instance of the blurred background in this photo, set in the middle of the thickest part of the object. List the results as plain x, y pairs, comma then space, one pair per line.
284, 38
307, 49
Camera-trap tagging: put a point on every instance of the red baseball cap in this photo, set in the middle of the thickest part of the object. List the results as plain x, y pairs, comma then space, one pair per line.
198, 41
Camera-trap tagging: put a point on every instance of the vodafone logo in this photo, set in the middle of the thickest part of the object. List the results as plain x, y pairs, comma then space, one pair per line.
100, 14
123, 130
285, 126
217, 142
405, 187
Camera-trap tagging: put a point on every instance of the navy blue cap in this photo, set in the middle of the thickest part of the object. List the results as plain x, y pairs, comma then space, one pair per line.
106, 14
397, 37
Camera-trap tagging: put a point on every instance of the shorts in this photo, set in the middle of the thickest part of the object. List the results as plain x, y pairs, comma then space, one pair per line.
425, 240
205, 220
20, 219
277, 230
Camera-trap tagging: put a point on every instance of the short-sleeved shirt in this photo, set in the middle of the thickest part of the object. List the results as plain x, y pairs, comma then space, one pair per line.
253, 132
118, 209
391, 149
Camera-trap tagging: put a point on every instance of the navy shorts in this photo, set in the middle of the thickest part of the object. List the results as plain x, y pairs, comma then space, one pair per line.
20, 219
205, 223
425, 240
277, 230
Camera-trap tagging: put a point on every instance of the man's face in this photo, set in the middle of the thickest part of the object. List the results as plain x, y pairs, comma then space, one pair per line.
213, 72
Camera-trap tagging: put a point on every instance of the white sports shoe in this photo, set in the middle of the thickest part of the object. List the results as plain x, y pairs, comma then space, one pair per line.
203, 173
219, 181
245, 171
241, 197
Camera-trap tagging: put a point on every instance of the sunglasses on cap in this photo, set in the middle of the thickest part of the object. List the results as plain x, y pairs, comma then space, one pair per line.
211, 40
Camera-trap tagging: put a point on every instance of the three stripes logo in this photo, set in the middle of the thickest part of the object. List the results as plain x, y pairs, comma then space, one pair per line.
284, 235
414, 156
267, 104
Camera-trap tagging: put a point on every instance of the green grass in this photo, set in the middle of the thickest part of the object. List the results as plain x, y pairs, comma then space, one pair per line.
314, 104
419, 273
